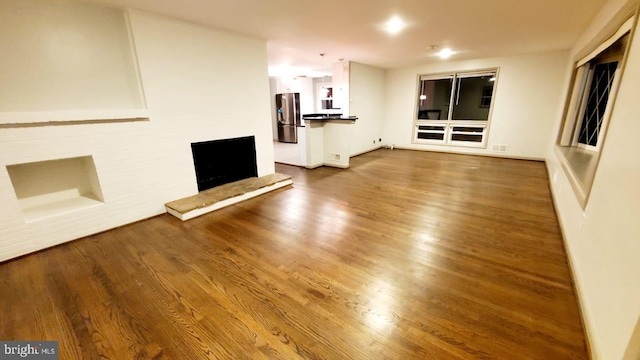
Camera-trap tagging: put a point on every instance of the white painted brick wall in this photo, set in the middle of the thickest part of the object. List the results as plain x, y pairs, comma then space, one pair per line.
200, 84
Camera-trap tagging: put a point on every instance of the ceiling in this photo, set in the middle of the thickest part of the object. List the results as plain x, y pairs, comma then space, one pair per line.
297, 31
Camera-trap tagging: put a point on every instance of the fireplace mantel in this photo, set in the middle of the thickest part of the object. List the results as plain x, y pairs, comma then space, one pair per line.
62, 116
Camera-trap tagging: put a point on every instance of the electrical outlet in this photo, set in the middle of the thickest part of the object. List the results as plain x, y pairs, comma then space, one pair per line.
335, 156
499, 148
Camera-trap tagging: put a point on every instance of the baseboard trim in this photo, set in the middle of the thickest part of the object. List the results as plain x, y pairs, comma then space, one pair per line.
367, 151
339, 166
314, 166
449, 151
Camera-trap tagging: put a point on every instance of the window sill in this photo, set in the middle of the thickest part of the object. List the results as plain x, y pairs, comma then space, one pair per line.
452, 122
580, 167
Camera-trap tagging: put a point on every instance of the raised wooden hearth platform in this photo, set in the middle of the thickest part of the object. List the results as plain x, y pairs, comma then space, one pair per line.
225, 195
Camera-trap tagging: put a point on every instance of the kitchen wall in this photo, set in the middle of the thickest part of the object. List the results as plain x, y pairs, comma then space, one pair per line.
603, 239
366, 92
529, 91
300, 85
197, 82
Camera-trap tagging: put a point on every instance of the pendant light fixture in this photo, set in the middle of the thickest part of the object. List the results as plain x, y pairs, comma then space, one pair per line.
325, 90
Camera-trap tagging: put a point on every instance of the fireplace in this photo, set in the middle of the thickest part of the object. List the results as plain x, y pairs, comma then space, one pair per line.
223, 161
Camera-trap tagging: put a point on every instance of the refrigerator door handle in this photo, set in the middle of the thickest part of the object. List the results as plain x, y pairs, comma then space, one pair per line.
295, 112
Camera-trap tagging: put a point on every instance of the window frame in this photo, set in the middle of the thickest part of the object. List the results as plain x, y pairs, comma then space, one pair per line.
449, 123
580, 161
320, 98
587, 81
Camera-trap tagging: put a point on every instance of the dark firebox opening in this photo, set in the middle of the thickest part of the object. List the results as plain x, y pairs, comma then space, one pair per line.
223, 161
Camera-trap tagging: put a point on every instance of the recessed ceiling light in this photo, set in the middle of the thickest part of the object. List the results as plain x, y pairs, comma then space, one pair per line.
394, 25
445, 53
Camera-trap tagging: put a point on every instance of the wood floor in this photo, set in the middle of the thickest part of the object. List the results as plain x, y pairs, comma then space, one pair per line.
406, 255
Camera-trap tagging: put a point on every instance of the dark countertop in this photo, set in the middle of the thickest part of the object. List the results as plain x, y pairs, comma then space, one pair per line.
325, 117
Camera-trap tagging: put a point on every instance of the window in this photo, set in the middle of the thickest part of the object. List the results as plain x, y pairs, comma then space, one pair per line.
596, 81
325, 99
454, 109
590, 103
597, 98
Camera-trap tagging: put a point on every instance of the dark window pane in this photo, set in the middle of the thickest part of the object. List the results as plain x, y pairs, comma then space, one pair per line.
597, 103
431, 136
487, 94
435, 128
433, 99
327, 104
467, 129
472, 98
329, 94
462, 137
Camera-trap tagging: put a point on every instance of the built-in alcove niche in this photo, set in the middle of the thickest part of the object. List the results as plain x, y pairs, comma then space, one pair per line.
55, 187
69, 61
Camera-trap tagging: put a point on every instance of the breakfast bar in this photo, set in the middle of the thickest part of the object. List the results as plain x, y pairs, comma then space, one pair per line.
328, 139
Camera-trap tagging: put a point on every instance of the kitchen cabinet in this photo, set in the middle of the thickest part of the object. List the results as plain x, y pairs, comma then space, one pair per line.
293, 85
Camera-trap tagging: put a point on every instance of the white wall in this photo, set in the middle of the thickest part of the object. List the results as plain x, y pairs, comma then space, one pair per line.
196, 81
273, 83
525, 106
314, 143
604, 246
340, 83
366, 88
337, 137
307, 104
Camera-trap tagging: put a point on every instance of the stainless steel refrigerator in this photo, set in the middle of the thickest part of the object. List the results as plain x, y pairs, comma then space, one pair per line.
288, 116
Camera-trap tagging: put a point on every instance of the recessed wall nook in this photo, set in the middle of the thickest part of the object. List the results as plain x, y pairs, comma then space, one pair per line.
87, 69
55, 187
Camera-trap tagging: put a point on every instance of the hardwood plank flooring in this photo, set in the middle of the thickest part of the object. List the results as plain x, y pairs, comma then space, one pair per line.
406, 255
